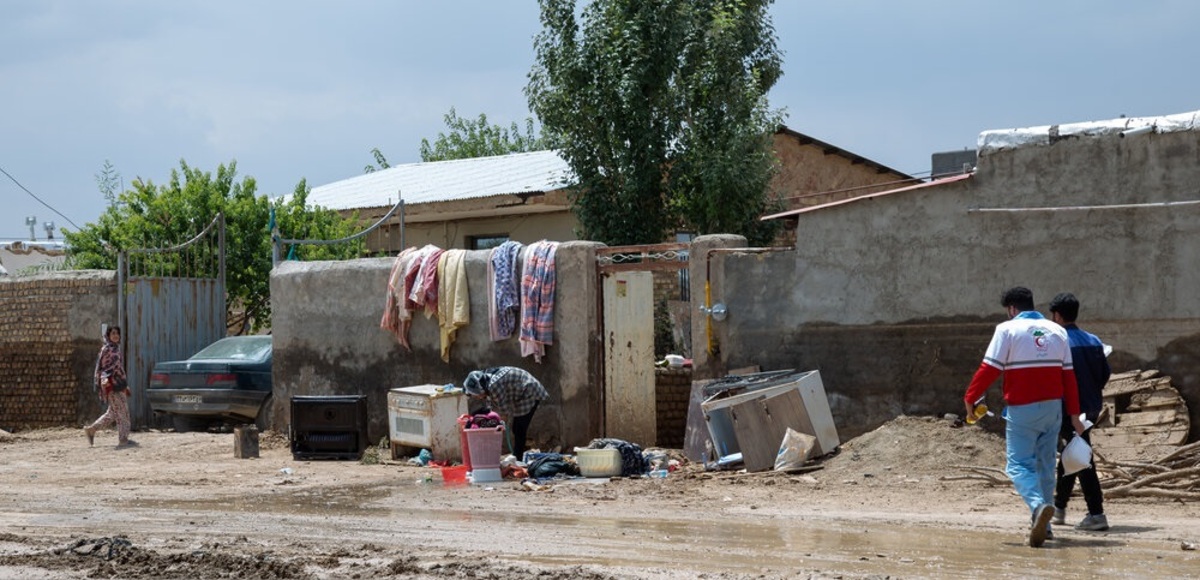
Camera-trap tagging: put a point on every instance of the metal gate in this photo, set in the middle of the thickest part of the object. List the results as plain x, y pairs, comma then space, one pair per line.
171, 304
626, 279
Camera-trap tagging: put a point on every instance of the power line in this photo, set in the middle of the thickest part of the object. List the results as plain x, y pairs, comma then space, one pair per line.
60, 214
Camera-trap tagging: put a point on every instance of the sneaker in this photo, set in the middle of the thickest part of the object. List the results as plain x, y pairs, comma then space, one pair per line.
91, 435
1093, 523
1060, 516
1041, 525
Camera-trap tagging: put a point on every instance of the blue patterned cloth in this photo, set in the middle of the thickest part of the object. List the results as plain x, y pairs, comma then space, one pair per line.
507, 300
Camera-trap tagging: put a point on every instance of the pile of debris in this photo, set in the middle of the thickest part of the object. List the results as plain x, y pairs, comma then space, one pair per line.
1139, 439
1176, 476
1144, 418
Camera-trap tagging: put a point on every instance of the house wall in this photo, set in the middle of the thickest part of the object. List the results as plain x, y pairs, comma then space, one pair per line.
525, 229
894, 299
49, 339
806, 169
327, 341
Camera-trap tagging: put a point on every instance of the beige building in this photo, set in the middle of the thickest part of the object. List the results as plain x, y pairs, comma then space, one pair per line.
481, 202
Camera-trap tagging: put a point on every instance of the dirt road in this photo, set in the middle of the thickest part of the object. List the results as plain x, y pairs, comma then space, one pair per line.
181, 506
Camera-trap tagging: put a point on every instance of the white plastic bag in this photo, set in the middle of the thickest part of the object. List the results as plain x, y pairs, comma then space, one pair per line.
1076, 456
795, 450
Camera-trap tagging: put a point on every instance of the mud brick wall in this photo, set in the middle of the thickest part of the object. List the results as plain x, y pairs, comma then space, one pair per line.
49, 338
671, 392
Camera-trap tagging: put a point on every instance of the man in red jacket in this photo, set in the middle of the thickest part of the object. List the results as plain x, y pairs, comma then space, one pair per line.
1034, 356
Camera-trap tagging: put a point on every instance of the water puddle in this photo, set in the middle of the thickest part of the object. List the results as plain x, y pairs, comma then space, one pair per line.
770, 546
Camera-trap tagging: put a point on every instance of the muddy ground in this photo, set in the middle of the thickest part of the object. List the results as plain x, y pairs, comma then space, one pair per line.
181, 506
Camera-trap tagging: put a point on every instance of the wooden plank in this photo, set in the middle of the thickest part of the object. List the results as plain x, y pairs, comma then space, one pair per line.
1122, 376
1161, 397
642, 249
1118, 438
1146, 418
643, 267
1127, 387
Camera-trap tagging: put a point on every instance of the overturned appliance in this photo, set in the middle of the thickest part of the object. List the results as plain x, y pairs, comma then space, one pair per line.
750, 415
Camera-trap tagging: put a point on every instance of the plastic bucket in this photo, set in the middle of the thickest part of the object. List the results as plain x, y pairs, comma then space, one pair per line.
485, 446
462, 439
456, 475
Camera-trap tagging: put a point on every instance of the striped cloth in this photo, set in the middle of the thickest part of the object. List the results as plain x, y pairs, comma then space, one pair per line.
537, 299
505, 302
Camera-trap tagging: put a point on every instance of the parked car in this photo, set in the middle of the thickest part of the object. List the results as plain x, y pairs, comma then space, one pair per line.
229, 380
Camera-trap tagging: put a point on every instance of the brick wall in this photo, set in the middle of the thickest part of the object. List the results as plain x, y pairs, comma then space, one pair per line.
49, 338
673, 387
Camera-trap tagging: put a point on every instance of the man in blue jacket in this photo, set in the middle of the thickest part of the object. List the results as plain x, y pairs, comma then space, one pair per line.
1091, 374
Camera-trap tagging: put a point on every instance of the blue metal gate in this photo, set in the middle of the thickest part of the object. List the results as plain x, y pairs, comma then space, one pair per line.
171, 305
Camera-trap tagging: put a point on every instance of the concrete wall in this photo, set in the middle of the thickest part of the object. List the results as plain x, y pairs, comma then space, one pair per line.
894, 299
327, 341
49, 339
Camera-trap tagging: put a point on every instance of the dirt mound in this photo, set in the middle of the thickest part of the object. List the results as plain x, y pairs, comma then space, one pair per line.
917, 447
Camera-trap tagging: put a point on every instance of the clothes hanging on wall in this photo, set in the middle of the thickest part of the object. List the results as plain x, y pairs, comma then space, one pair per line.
454, 301
504, 301
537, 299
424, 289
396, 317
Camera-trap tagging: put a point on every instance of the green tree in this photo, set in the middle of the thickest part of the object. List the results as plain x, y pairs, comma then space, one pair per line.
660, 109
470, 138
157, 216
380, 160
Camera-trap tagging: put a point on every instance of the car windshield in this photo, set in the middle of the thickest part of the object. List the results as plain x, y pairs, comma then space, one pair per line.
237, 348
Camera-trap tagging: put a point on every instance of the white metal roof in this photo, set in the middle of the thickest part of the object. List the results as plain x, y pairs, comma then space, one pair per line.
538, 171
990, 141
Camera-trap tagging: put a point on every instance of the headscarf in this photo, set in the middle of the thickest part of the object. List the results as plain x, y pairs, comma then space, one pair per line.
476, 383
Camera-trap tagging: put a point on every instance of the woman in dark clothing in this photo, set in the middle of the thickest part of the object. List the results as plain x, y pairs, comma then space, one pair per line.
113, 389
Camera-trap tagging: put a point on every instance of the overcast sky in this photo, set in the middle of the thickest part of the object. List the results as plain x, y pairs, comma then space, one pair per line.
305, 89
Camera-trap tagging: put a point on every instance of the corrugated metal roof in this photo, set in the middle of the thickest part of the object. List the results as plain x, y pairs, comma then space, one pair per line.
538, 171
921, 185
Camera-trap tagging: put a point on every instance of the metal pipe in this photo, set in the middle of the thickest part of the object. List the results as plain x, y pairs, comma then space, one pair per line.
1137, 131
1084, 207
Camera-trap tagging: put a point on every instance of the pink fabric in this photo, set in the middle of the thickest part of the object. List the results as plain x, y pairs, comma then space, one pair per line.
424, 290
392, 319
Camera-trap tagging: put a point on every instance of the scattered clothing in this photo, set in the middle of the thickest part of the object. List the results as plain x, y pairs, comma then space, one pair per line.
551, 465
537, 299
633, 462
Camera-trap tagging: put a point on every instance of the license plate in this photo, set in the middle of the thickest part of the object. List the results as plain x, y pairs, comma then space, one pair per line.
188, 399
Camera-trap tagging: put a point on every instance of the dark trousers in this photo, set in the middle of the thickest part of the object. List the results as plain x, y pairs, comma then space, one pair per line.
520, 428
1088, 480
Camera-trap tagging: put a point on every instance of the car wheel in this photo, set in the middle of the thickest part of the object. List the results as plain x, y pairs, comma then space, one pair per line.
184, 424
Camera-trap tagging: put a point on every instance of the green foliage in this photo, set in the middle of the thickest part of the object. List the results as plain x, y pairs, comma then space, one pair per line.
380, 160
477, 138
160, 216
660, 108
